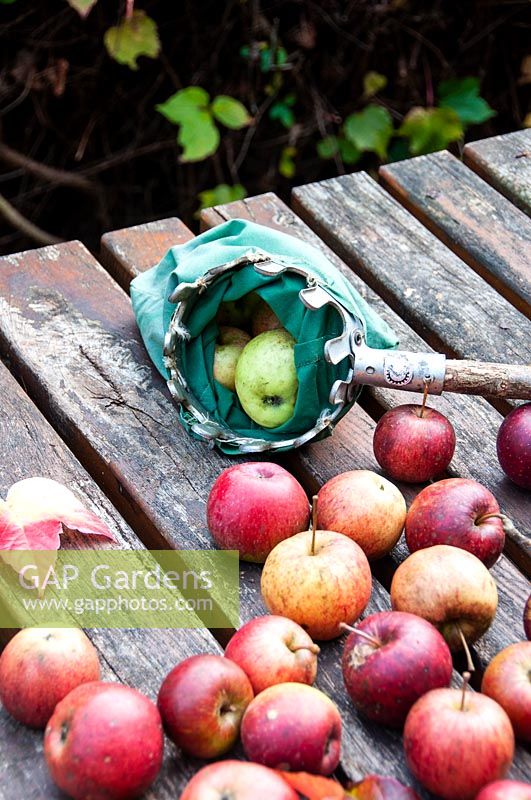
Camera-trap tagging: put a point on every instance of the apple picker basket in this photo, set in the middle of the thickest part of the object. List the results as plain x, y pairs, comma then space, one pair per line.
341, 343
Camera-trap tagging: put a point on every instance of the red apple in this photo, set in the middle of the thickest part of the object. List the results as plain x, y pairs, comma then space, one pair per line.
104, 741
272, 650
450, 588
391, 661
264, 319
455, 743
527, 618
514, 445
379, 787
253, 506
505, 790
364, 506
317, 590
456, 511
201, 702
237, 780
293, 727
507, 680
40, 666
413, 445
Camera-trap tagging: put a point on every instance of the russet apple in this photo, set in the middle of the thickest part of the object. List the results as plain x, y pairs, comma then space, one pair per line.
237, 780
293, 727
514, 445
202, 701
318, 588
266, 378
253, 506
104, 741
264, 319
272, 649
459, 512
380, 787
231, 342
390, 660
413, 443
507, 680
364, 506
456, 741
40, 666
449, 587
505, 790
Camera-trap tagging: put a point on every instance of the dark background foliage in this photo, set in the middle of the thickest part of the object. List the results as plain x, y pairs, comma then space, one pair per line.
65, 104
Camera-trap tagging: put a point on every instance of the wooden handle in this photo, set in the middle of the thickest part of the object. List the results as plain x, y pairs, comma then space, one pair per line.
489, 380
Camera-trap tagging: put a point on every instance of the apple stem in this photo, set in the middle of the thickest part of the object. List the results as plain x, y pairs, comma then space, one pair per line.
424, 397
314, 523
469, 662
313, 648
466, 678
372, 639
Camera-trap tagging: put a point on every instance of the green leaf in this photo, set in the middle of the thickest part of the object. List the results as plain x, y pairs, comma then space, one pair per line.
282, 112
230, 112
198, 136
462, 96
327, 147
221, 194
373, 82
132, 38
83, 7
349, 153
370, 129
286, 164
430, 129
7, 2
183, 104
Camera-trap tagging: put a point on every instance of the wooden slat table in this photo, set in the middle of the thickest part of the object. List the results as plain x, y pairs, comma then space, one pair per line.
505, 162
68, 333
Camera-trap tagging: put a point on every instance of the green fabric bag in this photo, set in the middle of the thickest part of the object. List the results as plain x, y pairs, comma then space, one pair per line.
310, 328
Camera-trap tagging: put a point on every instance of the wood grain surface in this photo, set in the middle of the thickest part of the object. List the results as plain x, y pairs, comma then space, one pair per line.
505, 162
139, 658
435, 292
474, 220
69, 332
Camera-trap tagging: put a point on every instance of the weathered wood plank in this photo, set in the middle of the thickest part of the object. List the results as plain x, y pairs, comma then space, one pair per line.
481, 226
475, 421
70, 334
438, 295
139, 658
505, 162
351, 448
140, 246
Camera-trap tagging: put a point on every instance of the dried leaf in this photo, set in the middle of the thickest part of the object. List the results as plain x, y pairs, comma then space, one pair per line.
313, 787
35, 511
133, 37
379, 787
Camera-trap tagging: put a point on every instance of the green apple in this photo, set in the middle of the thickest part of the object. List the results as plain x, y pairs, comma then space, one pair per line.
266, 378
226, 354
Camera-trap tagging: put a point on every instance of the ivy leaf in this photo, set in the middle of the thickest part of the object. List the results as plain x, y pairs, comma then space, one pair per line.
370, 129
372, 83
83, 7
184, 104
198, 136
132, 38
331, 146
282, 111
350, 154
462, 96
430, 129
286, 164
230, 112
327, 147
220, 195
